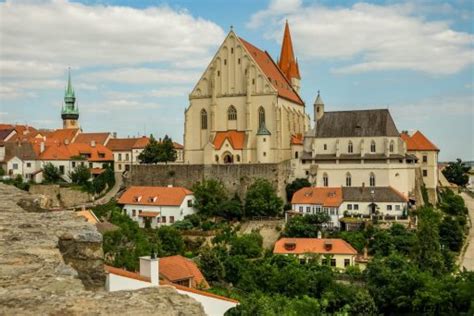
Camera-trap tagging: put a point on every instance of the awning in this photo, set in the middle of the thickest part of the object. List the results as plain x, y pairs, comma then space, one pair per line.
149, 214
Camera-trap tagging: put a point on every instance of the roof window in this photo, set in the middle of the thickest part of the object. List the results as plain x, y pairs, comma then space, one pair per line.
137, 198
290, 246
152, 199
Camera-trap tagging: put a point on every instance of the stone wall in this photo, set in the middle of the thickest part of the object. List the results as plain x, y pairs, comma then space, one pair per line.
236, 177
61, 196
49, 260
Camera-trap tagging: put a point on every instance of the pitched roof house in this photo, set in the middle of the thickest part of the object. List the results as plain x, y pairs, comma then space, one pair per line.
183, 271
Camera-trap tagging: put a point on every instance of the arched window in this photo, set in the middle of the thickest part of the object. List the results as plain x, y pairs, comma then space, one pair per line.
238, 158
372, 179
348, 180
203, 119
261, 116
391, 146
372, 147
216, 158
232, 113
350, 147
325, 180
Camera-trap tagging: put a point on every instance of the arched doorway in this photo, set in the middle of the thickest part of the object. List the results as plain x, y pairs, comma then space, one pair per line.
228, 158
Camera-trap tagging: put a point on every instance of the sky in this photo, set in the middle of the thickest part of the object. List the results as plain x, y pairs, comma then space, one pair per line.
133, 63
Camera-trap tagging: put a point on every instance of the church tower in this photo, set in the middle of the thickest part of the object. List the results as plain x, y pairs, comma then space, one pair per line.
318, 108
69, 111
288, 63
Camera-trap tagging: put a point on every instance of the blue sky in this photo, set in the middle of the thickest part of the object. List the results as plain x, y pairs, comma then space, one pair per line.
134, 62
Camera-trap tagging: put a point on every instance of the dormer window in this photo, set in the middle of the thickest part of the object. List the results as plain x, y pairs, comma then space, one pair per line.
152, 199
290, 246
137, 198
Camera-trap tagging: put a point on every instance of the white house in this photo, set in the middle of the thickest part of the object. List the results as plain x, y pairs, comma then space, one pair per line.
156, 206
148, 276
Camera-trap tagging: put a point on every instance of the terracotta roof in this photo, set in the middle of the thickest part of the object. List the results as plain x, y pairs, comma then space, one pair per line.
327, 197
89, 216
287, 61
66, 152
176, 268
177, 145
87, 138
125, 273
159, 196
204, 293
236, 139
65, 135
418, 141
297, 139
121, 144
141, 142
313, 245
273, 72
23, 132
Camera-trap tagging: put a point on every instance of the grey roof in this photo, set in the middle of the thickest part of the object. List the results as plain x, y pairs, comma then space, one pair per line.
319, 100
364, 123
262, 130
23, 150
4, 133
363, 194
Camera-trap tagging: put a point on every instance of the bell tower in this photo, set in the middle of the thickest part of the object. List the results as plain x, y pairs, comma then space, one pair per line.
69, 111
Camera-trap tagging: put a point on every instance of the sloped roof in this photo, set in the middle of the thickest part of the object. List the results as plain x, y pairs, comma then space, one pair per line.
87, 138
121, 144
158, 196
64, 135
327, 197
5, 133
23, 132
125, 273
22, 150
176, 268
235, 138
418, 141
313, 245
362, 123
65, 152
287, 62
273, 72
364, 194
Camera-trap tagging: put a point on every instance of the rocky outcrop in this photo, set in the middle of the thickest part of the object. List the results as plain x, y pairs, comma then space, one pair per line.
58, 196
51, 264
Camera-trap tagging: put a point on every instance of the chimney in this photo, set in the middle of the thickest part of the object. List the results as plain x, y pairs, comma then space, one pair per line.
66, 141
92, 143
114, 135
41, 147
170, 185
319, 234
150, 268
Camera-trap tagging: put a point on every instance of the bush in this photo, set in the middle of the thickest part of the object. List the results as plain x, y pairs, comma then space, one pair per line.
51, 173
248, 245
294, 186
262, 200
306, 225
80, 175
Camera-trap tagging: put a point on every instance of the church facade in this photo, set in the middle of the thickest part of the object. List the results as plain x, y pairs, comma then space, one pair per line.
245, 108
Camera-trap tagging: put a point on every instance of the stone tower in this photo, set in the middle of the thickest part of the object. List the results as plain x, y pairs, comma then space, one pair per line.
318, 108
69, 111
263, 144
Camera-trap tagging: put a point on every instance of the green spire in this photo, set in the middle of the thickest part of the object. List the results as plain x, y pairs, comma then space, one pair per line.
69, 109
69, 90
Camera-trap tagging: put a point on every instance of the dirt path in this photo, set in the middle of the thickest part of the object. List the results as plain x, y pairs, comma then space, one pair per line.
468, 259
115, 189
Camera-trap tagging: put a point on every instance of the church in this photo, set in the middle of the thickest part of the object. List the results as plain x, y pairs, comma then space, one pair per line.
246, 107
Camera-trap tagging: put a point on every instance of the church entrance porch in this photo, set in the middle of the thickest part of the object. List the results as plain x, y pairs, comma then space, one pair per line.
228, 158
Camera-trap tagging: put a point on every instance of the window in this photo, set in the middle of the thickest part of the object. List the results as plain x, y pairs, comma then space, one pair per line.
253, 81
61, 169
231, 50
238, 61
218, 73
15, 166
28, 165
127, 157
296, 155
425, 158
372, 147
264, 154
119, 157
120, 167
324, 262
308, 209
389, 207
134, 212
90, 164
347, 262
425, 173
333, 262
301, 209
190, 203
238, 158
325, 180
140, 211
356, 207
163, 219
101, 155
261, 116
397, 207
349, 207
325, 147
372, 179
171, 219
348, 180
350, 147
232, 113
331, 211
74, 164
203, 119
216, 158
391, 146
225, 61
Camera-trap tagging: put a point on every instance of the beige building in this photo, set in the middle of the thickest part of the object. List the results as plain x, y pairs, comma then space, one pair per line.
245, 108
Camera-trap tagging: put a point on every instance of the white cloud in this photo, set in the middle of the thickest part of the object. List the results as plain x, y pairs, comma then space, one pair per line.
143, 75
370, 37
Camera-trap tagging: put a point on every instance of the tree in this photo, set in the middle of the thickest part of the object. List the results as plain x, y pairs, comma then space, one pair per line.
231, 209
80, 175
262, 200
166, 151
456, 172
306, 226
171, 241
209, 196
51, 173
150, 153
451, 234
294, 186
452, 203
211, 264
247, 245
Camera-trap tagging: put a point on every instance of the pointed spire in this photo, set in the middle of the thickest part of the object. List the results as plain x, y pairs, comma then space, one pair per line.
287, 62
319, 100
69, 89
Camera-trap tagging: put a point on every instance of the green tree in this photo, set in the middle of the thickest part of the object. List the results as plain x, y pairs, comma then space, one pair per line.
262, 200
211, 264
209, 196
452, 203
456, 172
151, 152
171, 241
294, 186
51, 173
451, 234
247, 245
80, 175
306, 226
166, 151
231, 209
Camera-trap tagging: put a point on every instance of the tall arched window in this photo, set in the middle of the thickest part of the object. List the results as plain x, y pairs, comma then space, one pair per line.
372, 147
203, 119
391, 146
348, 180
372, 179
232, 113
261, 116
325, 180
350, 147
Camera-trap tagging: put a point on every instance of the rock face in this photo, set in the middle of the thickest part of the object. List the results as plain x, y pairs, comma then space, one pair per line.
51, 264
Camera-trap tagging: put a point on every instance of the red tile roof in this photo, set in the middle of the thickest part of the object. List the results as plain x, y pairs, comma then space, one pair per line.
313, 245
23, 132
273, 72
235, 138
418, 141
327, 197
158, 196
125, 273
59, 151
297, 139
87, 138
176, 268
127, 144
148, 214
287, 62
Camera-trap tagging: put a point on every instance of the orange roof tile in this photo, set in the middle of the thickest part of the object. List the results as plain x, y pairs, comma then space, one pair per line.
23, 132
148, 214
59, 151
125, 273
121, 144
141, 142
87, 138
65, 135
273, 72
235, 138
418, 141
159, 196
176, 268
313, 245
297, 139
328, 197
287, 61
